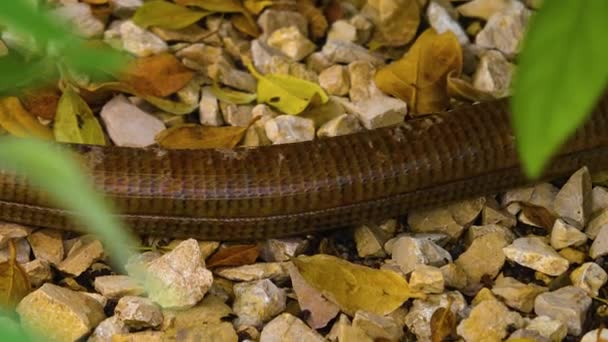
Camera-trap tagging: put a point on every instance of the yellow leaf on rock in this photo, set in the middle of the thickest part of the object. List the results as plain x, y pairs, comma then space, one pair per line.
193, 136
75, 122
257, 6
19, 122
463, 90
159, 75
354, 287
166, 15
232, 96
286, 93
14, 282
420, 76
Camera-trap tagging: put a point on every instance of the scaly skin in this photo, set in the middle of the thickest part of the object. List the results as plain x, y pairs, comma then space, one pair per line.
291, 189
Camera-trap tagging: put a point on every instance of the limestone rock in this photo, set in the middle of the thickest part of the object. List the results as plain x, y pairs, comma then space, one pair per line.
38, 271
493, 74
489, 321
427, 279
534, 253
516, 294
127, 125
81, 257
339, 51
568, 304
125, 8
178, 279
107, 328
257, 302
564, 235
418, 319
11, 231
282, 249
116, 286
62, 314
408, 252
475, 232
454, 276
597, 224
599, 199
383, 328
342, 30
262, 270
288, 328
236, 115
140, 42
369, 240
483, 258
441, 20
484, 9
271, 20
589, 277
378, 111
138, 312
596, 335
504, 30
289, 129
573, 202
209, 109
47, 244
599, 247
80, 17
291, 42
341, 125
548, 327
335, 80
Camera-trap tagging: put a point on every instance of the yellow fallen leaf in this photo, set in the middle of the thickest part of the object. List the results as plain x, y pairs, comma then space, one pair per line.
159, 75
173, 107
462, 90
286, 93
75, 122
232, 96
443, 323
226, 6
257, 6
354, 287
19, 122
193, 136
14, 282
245, 23
420, 76
167, 15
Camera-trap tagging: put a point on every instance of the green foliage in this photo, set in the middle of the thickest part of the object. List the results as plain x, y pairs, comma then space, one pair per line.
562, 70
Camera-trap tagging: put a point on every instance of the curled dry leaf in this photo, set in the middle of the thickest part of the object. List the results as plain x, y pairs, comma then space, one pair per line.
166, 15
192, 136
463, 90
75, 122
237, 255
443, 323
19, 122
245, 24
420, 76
232, 96
41, 102
538, 215
14, 282
159, 75
286, 93
316, 18
354, 287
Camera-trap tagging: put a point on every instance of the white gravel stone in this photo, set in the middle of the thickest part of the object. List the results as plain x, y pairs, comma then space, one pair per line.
573, 202
178, 279
81, 256
236, 115
441, 20
62, 314
341, 125
493, 74
80, 17
454, 276
140, 42
599, 221
489, 320
599, 247
418, 319
288, 328
335, 80
127, 125
209, 109
504, 30
257, 302
564, 235
589, 277
408, 252
427, 279
125, 8
47, 244
289, 129
568, 305
483, 258
107, 328
38, 271
139, 312
343, 52
475, 232
282, 249
116, 286
535, 253
548, 327
493, 214
342, 30
291, 42
277, 271
271, 20
516, 294
596, 335
378, 328
369, 240
484, 9
376, 112
599, 199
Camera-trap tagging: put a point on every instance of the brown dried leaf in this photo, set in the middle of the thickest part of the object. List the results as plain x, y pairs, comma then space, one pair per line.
193, 136
463, 90
538, 215
236, 255
14, 282
19, 122
245, 24
316, 18
443, 323
334, 11
420, 76
396, 21
354, 287
41, 102
159, 75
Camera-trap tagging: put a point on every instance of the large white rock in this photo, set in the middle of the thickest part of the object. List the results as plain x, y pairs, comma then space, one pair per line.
534, 253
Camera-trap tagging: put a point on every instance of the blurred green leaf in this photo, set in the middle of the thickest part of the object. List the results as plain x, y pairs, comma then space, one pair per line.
562, 70
166, 15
